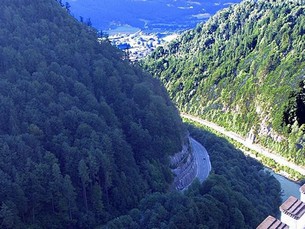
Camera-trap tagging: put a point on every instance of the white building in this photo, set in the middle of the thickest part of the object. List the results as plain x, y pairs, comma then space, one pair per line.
272, 223
293, 213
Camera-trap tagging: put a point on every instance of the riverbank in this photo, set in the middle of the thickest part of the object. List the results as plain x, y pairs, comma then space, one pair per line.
289, 187
271, 160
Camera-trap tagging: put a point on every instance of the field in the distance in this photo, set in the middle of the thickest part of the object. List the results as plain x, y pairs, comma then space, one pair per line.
147, 15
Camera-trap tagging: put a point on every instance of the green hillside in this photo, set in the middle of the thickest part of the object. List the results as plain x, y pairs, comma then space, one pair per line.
243, 69
85, 137
238, 194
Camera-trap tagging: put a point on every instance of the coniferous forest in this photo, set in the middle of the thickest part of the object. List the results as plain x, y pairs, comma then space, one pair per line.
72, 113
238, 194
85, 137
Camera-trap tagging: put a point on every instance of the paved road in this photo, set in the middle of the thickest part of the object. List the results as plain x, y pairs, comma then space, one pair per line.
279, 159
202, 159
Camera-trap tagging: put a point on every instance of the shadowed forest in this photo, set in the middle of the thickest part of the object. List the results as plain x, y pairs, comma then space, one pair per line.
85, 137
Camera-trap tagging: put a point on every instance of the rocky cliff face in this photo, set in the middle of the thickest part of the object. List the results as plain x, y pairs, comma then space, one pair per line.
184, 167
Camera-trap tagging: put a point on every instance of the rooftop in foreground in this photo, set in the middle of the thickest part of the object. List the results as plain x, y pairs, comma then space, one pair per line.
272, 223
293, 207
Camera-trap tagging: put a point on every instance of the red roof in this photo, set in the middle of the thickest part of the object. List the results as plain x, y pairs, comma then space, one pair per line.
272, 223
293, 207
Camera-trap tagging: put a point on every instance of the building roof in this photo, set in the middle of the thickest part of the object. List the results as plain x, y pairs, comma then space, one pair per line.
272, 223
302, 189
293, 207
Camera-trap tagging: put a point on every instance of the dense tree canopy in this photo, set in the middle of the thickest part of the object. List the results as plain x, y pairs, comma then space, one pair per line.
85, 137
243, 69
238, 194
83, 134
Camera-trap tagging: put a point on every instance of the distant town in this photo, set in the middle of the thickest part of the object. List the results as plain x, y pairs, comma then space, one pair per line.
138, 45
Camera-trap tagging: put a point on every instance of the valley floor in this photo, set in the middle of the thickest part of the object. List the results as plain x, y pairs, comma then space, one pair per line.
243, 141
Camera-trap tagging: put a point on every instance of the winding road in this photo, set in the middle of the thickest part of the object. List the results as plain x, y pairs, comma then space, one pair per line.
202, 159
277, 158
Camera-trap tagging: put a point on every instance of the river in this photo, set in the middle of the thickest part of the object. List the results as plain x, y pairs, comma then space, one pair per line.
290, 188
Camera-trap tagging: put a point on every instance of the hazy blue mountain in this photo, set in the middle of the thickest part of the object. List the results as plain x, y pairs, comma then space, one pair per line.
162, 15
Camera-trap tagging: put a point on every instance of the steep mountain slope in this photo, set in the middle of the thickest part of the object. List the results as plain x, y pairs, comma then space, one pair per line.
83, 135
238, 194
245, 70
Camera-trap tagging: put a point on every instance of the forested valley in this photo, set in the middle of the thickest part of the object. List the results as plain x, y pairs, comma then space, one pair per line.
244, 69
85, 137
239, 193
